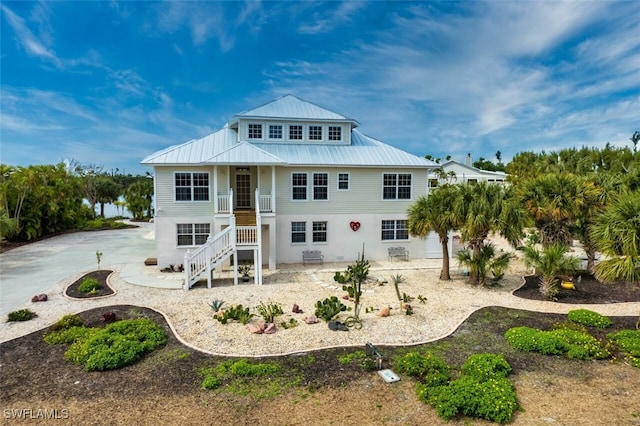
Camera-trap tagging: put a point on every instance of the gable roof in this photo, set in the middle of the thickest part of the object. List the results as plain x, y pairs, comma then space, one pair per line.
475, 170
291, 107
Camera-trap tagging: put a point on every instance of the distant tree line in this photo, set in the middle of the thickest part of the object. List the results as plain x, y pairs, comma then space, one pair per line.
40, 200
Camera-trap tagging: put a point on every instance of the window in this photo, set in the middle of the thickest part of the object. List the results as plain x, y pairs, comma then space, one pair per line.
298, 232
335, 133
396, 186
433, 183
319, 232
343, 181
320, 186
295, 132
275, 131
192, 186
394, 230
255, 131
193, 234
299, 186
315, 133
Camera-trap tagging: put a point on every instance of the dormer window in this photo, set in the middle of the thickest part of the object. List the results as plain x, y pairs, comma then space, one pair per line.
275, 131
255, 131
315, 133
335, 133
295, 132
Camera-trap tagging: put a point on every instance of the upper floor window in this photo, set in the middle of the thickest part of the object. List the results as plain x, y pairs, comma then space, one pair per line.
295, 132
299, 186
396, 186
255, 131
298, 232
193, 234
320, 186
319, 232
275, 131
394, 230
335, 133
191, 186
315, 133
343, 181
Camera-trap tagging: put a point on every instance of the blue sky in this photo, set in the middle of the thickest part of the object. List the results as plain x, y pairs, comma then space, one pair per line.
108, 83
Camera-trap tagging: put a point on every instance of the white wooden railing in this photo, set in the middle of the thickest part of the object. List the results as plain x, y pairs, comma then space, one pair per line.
203, 258
225, 202
246, 235
264, 202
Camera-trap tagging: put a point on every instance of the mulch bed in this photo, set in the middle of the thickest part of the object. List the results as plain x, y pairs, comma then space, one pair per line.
588, 291
101, 275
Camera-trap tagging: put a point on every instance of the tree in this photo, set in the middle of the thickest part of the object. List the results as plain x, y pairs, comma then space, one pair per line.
106, 191
635, 138
549, 263
435, 214
138, 196
616, 233
481, 209
553, 202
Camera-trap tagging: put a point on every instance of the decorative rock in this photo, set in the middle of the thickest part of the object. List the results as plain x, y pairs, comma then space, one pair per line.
270, 328
40, 298
384, 312
337, 326
311, 319
256, 328
296, 309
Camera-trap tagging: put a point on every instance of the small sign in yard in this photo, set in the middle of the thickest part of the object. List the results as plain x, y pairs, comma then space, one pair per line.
388, 376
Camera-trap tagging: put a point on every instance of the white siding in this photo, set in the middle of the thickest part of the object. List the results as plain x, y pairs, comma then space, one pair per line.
165, 193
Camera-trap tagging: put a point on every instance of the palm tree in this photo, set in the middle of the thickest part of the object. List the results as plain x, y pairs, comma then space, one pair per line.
617, 235
549, 263
485, 262
435, 214
483, 208
552, 201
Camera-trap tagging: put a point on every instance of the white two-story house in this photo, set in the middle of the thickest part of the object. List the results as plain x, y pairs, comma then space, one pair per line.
278, 180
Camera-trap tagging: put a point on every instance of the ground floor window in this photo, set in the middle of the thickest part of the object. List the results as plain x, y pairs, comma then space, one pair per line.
394, 230
193, 234
319, 232
298, 232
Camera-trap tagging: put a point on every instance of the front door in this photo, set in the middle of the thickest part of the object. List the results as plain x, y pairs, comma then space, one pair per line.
243, 191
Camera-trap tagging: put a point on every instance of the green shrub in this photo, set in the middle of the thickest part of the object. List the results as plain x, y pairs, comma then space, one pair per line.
21, 315
67, 336
328, 308
89, 285
231, 369
211, 382
493, 399
236, 313
244, 368
67, 322
427, 367
485, 366
628, 341
532, 340
589, 318
117, 345
575, 344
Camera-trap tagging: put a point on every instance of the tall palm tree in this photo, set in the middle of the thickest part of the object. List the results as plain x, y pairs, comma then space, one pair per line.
549, 263
435, 214
617, 235
483, 208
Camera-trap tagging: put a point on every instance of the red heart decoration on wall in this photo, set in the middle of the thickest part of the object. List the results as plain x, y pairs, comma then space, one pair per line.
354, 226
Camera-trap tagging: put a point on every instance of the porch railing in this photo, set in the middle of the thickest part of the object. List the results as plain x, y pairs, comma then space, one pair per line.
202, 259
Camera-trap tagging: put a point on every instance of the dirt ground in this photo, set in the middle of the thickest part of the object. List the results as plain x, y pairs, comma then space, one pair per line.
314, 388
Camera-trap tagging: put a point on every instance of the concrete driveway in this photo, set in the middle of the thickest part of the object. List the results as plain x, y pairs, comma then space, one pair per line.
32, 269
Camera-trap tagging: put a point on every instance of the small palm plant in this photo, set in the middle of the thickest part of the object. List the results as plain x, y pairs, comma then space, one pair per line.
549, 264
483, 262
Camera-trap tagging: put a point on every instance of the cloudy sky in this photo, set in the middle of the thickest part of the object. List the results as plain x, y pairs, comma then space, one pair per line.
109, 83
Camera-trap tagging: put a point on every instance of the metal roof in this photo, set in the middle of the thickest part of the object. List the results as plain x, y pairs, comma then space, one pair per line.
292, 107
223, 147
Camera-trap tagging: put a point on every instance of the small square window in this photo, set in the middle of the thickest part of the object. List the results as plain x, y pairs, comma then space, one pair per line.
275, 131
335, 133
315, 133
295, 132
255, 131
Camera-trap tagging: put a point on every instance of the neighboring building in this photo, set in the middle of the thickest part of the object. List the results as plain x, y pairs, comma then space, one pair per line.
280, 179
464, 173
